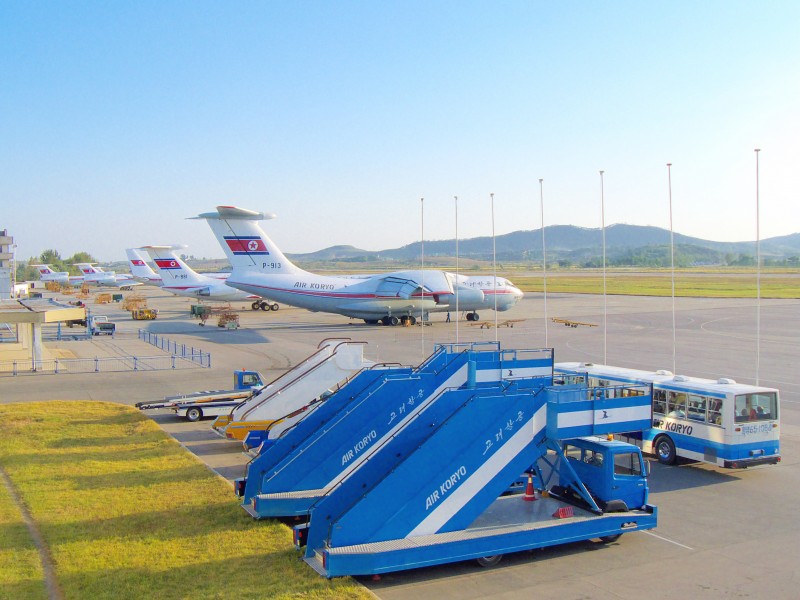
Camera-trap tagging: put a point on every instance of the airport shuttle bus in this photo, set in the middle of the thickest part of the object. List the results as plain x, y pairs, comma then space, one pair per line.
719, 422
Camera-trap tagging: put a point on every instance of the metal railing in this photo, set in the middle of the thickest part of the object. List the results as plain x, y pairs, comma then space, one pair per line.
183, 351
95, 365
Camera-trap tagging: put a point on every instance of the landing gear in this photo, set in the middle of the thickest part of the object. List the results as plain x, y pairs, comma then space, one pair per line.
410, 320
371, 321
255, 305
473, 316
265, 306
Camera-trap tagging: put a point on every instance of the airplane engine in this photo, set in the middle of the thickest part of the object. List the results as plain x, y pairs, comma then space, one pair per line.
466, 296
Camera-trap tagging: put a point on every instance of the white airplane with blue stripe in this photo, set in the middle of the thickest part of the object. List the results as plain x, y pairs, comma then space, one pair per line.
180, 279
259, 267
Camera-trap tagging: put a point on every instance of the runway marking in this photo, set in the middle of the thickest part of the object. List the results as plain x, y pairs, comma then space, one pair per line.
668, 540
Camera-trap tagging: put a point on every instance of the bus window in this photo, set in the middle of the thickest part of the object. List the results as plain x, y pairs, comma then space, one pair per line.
697, 408
756, 407
627, 463
715, 411
676, 405
660, 402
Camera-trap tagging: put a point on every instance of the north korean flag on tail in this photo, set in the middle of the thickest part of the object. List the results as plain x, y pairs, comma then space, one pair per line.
242, 245
167, 263
137, 262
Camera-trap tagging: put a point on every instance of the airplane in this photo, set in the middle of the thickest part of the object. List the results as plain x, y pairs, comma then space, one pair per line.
259, 267
140, 269
179, 279
46, 274
569, 323
98, 276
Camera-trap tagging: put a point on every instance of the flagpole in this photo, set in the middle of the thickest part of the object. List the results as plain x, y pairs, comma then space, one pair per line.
422, 263
758, 274
457, 284
544, 260
605, 305
672, 261
494, 268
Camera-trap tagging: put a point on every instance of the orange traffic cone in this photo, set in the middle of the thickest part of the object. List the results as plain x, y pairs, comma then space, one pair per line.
529, 496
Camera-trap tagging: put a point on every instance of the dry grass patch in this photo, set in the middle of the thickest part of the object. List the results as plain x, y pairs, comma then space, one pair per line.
128, 513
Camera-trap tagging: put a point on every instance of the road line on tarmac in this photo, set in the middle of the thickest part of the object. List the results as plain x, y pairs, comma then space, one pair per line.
668, 540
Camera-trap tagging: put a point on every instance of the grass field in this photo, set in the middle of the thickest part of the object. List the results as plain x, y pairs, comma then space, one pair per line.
126, 512
660, 284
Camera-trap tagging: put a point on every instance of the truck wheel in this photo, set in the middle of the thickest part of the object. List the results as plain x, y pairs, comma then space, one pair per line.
194, 414
665, 450
489, 561
607, 539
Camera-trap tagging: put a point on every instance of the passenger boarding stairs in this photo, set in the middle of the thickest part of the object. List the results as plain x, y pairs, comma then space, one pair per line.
334, 362
336, 440
439, 496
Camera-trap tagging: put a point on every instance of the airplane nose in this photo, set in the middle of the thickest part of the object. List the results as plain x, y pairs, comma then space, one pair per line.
518, 294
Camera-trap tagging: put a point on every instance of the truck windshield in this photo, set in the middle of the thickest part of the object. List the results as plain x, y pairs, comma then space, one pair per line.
627, 463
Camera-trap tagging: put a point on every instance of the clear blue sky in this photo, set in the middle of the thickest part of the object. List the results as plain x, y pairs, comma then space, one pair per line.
120, 119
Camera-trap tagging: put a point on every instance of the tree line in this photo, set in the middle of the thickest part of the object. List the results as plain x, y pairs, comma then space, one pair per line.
26, 272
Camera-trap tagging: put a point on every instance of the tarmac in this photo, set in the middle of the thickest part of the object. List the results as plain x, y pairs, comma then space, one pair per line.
721, 534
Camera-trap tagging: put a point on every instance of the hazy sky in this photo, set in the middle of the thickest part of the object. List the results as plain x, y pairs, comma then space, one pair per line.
120, 119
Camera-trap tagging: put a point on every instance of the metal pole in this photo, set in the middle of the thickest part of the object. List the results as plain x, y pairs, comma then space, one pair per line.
758, 274
544, 260
672, 262
494, 269
422, 262
605, 305
457, 284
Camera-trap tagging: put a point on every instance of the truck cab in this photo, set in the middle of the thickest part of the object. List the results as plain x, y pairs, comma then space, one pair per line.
243, 380
615, 473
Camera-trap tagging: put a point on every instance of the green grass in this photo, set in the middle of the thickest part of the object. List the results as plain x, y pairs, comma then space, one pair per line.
21, 574
127, 513
660, 284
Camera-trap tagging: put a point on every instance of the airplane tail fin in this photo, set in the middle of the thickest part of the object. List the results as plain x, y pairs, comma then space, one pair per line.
139, 267
172, 269
245, 244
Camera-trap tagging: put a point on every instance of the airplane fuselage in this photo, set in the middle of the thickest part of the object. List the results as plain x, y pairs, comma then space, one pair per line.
361, 298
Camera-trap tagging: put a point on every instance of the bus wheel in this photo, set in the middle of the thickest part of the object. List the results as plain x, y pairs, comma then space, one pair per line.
489, 561
665, 450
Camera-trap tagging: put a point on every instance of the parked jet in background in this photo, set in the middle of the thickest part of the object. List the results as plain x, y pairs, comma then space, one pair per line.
179, 279
259, 267
140, 269
98, 276
46, 274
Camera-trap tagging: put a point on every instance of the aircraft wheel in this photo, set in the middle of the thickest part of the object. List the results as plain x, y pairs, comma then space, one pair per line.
412, 320
274, 306
394, 321
264, 306
489, 561
194, 414
256, 305
371, 321
475, 316
385, 320
665, 450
